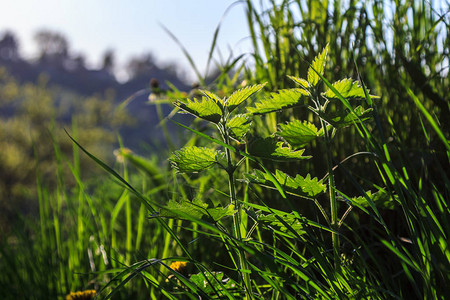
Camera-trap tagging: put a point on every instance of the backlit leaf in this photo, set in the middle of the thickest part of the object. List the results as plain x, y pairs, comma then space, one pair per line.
319, 65
300, 81
381, 199
299, 134
344, 119
193, 209
206, 109
196, 209
219, 212
213, 282
302, 186
241, 95
281, 100
280, 221
239, 125
213, 96
194, 159
270, 148
347, 88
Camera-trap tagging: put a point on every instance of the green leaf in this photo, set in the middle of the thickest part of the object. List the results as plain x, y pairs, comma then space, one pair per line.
211, 139
219, 212
196, 209
300, 81
319, 66
347, 88
214, 281
381, 199
344, 119
213, 96
301, 186
194, 159
273, 220
270, 210
241, 95
239, 125
299, 134
207, 109
270, 148
283, 99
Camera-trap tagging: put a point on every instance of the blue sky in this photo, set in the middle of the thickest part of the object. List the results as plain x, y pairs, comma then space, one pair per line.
130, 27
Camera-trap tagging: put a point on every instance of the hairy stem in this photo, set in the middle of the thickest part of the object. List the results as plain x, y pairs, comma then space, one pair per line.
242, 262
332, 196
331, 185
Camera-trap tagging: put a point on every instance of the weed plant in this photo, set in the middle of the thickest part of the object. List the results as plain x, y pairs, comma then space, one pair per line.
302, 185
276, 253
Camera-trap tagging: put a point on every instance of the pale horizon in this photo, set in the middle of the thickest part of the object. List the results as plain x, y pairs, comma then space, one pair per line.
131, 28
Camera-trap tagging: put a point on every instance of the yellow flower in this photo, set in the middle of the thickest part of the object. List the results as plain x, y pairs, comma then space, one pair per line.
84, 295
178, 265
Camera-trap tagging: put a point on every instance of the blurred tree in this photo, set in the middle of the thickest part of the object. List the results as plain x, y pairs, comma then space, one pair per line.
9, 46
173, 69
80, 61
109, 61
52, 46
141, 65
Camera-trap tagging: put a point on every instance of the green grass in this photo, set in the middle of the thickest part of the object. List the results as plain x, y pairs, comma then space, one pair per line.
376, 228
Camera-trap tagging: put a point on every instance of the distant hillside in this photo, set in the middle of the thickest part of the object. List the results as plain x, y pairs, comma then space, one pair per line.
85, 82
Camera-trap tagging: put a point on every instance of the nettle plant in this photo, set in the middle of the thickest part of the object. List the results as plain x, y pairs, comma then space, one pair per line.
286, 144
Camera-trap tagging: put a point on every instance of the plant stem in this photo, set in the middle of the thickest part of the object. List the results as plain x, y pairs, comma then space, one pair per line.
242, 262
332, 195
